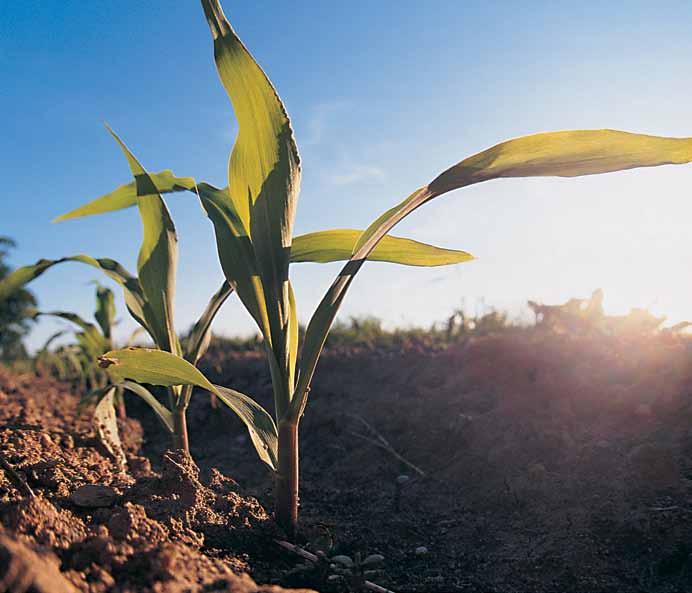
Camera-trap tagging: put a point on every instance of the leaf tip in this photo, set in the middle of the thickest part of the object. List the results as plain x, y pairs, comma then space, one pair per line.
105, 361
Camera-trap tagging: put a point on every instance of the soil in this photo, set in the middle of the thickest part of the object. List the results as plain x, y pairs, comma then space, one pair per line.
533, 462
72, 521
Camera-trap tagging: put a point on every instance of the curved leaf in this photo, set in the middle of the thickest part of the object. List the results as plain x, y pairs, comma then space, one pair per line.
158, 255
338, 244
134, 297
258, 421
153, 366
236, 252
563, 154
198, 340
263, 173
91, 338
550, 154
125, 196
160, 410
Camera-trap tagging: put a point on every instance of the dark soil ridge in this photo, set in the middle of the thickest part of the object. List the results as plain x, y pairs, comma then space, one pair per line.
92, 528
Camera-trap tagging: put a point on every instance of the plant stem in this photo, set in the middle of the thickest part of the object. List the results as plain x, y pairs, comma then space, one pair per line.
287, 478
180, 440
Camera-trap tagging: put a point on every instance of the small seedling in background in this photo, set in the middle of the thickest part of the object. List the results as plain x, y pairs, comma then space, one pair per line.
355, 573
148, 297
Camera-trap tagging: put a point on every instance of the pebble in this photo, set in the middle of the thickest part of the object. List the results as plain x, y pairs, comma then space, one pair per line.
93, 496
421, 551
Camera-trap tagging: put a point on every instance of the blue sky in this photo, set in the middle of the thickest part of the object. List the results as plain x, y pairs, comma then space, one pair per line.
383, 96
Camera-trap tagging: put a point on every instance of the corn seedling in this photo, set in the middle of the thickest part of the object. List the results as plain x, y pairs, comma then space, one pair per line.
92, 340
340, 569
253, 221
148, 296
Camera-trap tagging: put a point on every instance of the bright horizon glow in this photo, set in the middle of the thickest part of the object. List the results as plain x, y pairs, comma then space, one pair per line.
382, 99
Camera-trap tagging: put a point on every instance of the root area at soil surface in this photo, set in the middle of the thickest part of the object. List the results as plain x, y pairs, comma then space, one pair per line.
516, 462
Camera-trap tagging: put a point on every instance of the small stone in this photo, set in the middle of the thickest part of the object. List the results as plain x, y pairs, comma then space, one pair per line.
536, 470
373, 559
421, 551
402, 479
343, 560
93, 496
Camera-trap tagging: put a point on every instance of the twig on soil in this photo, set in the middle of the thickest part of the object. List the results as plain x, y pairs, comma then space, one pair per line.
315, 559
297, 550
16, 478
382, 443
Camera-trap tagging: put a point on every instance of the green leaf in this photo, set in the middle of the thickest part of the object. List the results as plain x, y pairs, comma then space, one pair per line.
158, 255
91, 338
550, 154
125, 196
264, 163
134, 297
156, 367
236, 252
258, 421
105, 310
198, 340
563, 154
337, 245
160, 410
263, 173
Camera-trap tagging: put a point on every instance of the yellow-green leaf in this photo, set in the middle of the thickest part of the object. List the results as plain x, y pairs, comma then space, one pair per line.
549, 154
156, 367
564, 154
134, 297
158, 255
125, 196
338, 244
263, 172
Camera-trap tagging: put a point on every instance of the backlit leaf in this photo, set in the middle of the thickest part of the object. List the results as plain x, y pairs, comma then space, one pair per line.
125, 196
263, 172
338, 244
563, 154
158, 255
152, 366
134, 297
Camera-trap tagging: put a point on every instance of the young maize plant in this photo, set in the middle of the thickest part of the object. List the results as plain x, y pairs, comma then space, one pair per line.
148, 297
253, 222
92, 341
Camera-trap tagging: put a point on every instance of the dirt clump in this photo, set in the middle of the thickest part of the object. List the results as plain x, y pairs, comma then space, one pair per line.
74, 521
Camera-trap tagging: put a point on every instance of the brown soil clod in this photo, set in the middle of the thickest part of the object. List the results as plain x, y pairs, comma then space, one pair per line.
93, 527
93, 496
